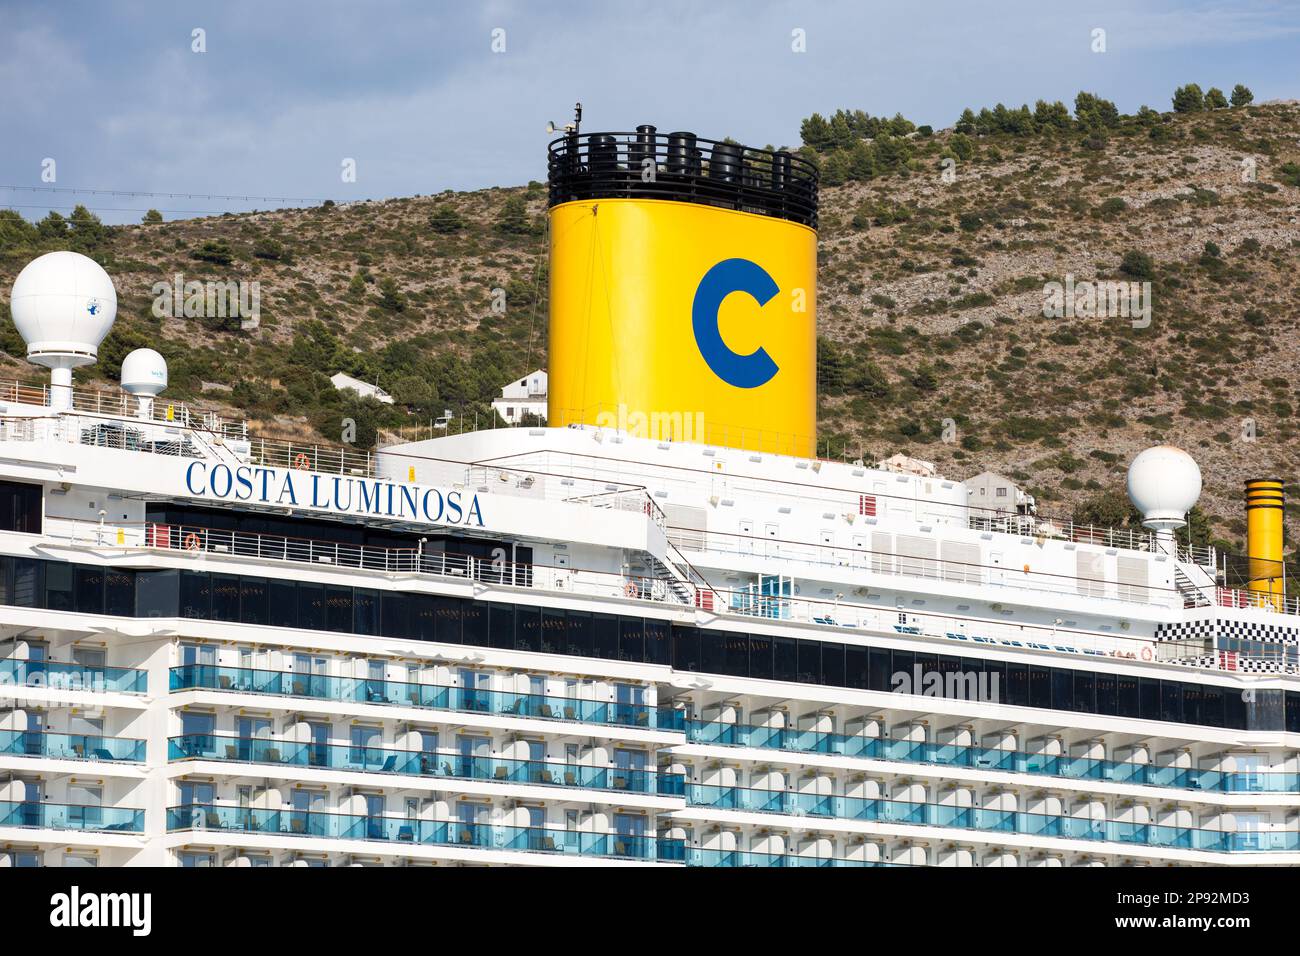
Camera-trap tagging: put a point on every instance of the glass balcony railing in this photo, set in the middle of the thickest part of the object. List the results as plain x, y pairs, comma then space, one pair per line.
697, 856
421, 763
317, 823
68, 816
437, 696
1000, 821
987, 758
65, 676
28, 743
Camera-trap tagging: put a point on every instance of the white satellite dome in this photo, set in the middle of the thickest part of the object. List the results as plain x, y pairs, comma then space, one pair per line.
1164, 483
63, 305
144, 372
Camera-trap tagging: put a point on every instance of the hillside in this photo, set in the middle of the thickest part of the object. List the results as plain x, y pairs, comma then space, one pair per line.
931, 299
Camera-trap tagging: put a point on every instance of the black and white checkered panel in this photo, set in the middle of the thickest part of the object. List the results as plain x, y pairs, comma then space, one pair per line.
1220, 628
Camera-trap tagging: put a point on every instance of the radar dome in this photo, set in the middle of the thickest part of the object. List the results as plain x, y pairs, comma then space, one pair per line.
63, 305
144, 372
1164, 483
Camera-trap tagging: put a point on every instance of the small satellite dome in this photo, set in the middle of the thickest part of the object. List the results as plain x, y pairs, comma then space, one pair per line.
144, 372
63, 305
1164, 483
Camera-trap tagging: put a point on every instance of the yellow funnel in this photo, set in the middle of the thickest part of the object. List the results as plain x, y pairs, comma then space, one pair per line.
1264, 504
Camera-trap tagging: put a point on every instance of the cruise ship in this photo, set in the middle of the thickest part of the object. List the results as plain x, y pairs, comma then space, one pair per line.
658, 632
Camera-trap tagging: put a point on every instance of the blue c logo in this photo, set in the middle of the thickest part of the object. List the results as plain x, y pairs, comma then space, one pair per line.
728, 276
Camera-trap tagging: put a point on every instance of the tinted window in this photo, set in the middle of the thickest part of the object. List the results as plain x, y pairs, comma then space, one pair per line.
855, 667
225, 597
553, 631
760, 656
282, 603
735, 654
20, 507
157, 593
1017, 689
528, 629
501, 625
338, 608
657, 650
832, 664
631, 640
713, 651
605, 636
473, 623
365, 611
1148, 698
785, 658
1126, 693
58, 586
89, 589
395, 614
311, 606
252, 600
1106, 693
579, 634
686, 648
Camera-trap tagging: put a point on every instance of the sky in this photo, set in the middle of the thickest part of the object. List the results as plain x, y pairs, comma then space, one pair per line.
427, 96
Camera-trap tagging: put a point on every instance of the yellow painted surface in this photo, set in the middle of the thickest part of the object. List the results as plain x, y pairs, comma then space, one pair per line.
623, 346
1264, 513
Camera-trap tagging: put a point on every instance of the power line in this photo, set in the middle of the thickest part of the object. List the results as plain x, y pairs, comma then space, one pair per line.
172, 195
178, 212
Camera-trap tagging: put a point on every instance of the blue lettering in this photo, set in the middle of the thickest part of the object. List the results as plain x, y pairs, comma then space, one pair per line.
245, 483
408, 506
474, 512
370, 496
339, 503
287, 489
189, 478
221, 473
428, 513
728, 276
455, 511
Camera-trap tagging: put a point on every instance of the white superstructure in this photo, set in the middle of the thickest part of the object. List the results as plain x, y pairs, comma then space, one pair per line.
568, 646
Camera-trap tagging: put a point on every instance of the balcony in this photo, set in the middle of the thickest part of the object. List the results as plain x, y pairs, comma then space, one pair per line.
27, 743
72, 677
697, 856
403, 830
421, 763
997, 821
363, 690
985, 758
68, 816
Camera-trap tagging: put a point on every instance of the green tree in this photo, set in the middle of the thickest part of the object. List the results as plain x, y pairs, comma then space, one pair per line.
965, 122
1137, 265
513, 217
1241, 95
1214, 99
390, 295
816, 132
1103, 511
216, 251
152, 216
1093, 112
446, 219
1189, 99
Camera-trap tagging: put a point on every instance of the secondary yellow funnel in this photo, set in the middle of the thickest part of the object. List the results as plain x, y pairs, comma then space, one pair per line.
1264, 510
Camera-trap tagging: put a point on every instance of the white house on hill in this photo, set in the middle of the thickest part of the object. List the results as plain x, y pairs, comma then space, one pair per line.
525, 396
364, 389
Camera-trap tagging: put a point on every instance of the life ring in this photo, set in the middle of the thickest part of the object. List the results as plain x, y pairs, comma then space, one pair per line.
1146, 654
301, 461
630, 589
191, 542
1026, 569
